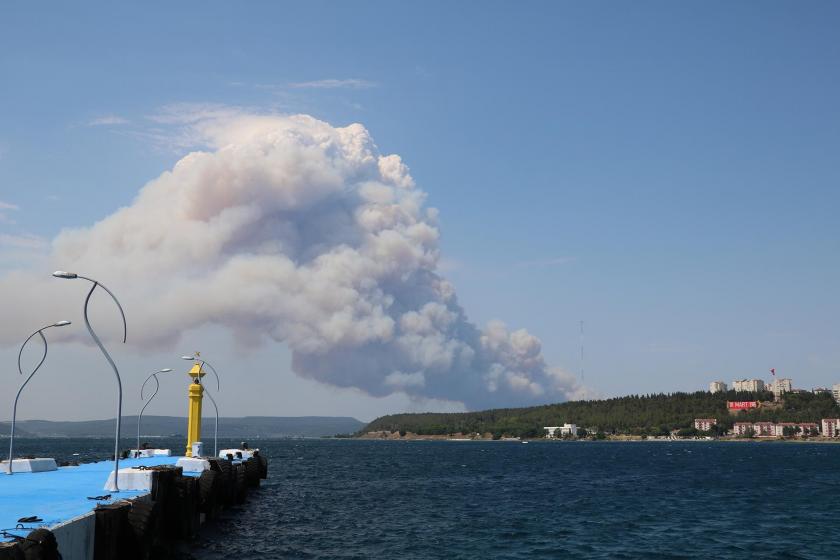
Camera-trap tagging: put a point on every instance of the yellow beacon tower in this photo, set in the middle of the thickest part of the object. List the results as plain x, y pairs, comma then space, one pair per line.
196, 393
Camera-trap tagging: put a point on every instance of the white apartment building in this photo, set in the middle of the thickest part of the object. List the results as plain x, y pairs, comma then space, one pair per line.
704, 424
831, 427
560, 431
821, 391
781, 386
750, 385
741, 428
717, 387
803, 428
764, 429
769, 429
835, 391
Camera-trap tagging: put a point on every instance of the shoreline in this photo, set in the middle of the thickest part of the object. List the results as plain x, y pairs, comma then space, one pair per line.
626, 439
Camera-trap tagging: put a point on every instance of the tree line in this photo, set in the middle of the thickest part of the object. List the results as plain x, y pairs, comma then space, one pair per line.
652, 414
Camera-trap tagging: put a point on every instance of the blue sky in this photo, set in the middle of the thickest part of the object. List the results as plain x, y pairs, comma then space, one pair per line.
666, 172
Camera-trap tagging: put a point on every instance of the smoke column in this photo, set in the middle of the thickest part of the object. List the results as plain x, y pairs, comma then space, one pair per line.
288, 229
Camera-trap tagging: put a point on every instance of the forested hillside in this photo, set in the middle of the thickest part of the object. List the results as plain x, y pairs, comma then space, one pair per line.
635, 414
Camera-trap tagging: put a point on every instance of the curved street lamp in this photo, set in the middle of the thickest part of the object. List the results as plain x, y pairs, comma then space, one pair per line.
20, 370
72, 276
157, 387
212, 400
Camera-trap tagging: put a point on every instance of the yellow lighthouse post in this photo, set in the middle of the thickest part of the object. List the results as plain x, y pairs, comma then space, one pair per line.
196, 392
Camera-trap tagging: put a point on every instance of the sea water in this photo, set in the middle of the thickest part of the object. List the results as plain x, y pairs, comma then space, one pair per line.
415, 499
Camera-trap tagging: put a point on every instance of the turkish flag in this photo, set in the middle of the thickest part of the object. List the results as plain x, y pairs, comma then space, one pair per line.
773, 370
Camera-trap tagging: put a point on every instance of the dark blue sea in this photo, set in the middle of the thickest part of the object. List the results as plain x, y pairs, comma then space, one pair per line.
372, 499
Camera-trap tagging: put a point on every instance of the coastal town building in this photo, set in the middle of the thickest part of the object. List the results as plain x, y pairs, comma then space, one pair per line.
769, 429
764, 429
748, 385
704, 424
742, 428
831, 427
780, 386
835, 391
717, 387
821, 391
797, 429
560, 431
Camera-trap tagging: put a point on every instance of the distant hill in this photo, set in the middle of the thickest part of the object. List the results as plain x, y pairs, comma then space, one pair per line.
244, 427
6, 427
635, 414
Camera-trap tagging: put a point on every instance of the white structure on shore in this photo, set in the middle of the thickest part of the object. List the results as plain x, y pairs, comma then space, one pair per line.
560, 431
769, 429
704, 424
835, 392
781, 386
717, 387
748, 385
831, 427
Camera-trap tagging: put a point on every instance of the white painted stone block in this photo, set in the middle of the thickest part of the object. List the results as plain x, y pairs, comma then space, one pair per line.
193, 464
246, 453
41, 464
138, 453
131, 479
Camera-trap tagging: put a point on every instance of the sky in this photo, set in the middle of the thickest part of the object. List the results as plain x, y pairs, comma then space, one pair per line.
665, 172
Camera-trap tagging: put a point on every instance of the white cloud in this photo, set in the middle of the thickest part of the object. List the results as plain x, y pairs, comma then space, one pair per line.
332, 83
191, 113
4, 208
108, 120
288, 229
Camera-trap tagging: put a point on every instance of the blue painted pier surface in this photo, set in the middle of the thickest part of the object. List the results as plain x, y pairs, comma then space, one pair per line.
62, 495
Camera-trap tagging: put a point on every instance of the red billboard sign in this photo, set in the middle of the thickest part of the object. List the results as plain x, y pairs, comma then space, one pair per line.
741, 405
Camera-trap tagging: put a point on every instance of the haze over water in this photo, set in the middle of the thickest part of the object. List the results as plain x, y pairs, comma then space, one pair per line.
371, 499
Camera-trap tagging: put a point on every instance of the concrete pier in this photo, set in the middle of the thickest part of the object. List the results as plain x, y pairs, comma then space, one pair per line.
91, 523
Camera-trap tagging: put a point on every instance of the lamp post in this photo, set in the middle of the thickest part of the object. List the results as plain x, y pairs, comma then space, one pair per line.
39, 332
212, 400
157, 387
72, 276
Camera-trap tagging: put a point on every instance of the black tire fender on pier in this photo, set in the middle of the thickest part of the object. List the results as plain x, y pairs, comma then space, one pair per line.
11, 551
208, 490
241, 484
252, 472
40, 544
142, 518
263, 465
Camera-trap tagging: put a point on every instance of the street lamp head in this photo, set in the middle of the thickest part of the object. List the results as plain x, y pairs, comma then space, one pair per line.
188, 357
64, 274
61, 323
165, 370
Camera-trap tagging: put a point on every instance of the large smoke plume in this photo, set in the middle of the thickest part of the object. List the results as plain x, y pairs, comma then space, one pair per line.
290, 229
